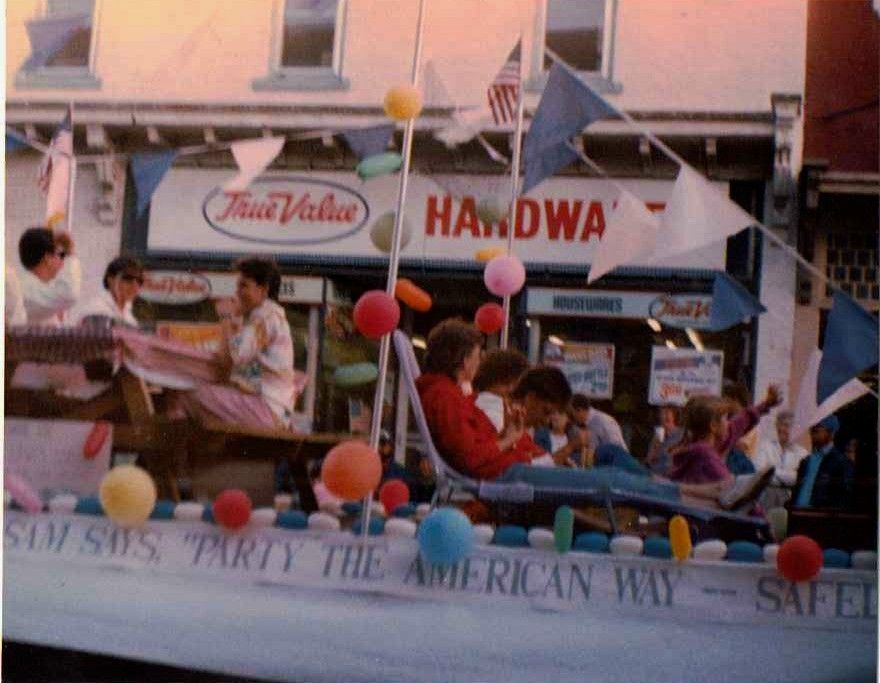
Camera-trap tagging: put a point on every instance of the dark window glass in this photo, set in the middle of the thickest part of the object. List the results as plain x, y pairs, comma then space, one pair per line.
309, 27
574, 32
78, 47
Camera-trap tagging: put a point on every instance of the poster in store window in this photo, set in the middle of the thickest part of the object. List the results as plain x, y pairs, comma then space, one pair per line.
589, 368
679, 374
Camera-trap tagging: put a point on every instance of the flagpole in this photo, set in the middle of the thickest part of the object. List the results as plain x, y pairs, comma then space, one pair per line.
71, 181
393, 264
514, 183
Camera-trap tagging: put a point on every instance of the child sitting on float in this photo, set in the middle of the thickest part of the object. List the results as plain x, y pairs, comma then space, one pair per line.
466, 437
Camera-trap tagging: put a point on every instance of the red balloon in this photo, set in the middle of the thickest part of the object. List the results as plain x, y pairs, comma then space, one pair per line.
799, 559
351, 470
393, 494
376, 314
489, 318
232, 509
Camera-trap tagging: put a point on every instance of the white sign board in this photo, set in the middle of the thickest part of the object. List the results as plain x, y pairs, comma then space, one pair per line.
674, 310
52, 455
328, 215
679, 374
589, 368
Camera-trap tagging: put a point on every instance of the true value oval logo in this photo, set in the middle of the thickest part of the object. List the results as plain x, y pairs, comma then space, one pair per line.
682, 310
288, 210
174, 287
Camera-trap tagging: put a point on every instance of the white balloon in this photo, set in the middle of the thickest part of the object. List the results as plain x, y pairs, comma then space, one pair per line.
492, 209
382, 232
321, 521
710, 550
401, 528
541, 539
626, 545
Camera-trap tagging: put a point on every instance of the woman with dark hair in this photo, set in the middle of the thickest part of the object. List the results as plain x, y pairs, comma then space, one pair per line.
257, 351
123, 278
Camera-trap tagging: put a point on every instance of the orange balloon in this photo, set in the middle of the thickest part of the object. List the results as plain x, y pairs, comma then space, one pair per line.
412, 295
487, 254
351, 470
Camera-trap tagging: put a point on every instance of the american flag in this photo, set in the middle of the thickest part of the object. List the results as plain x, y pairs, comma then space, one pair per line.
54, 174
504, 92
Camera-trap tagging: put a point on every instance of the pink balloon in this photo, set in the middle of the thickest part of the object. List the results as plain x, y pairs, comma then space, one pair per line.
489, 318
22, 493
504, 275
376, 314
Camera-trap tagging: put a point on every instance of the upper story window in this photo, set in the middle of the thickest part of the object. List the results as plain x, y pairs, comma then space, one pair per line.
580, 32
62, 45
308, 48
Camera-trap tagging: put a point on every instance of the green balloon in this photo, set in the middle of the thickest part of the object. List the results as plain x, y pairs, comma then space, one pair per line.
379, 164
563, 528
382, 232
355, 374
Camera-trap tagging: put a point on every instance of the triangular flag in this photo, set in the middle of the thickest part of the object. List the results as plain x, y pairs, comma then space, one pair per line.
252, 157
54, 173
365, 142
696, 215
807, 412
630, 235
147, 171
567, 106
851, 344
731, 303
50, 35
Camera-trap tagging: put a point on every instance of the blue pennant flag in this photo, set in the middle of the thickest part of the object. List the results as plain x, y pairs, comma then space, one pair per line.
14, 143
366, 142
851, 345
50, 35
147, 171
731, 303
567, 106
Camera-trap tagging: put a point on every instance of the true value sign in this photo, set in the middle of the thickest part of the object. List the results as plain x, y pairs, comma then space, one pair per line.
322, 216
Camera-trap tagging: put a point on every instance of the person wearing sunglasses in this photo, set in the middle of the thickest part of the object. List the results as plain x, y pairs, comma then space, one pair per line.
122, 283
51, 280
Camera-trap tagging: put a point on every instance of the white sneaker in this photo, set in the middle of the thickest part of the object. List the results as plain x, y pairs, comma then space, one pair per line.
745, 489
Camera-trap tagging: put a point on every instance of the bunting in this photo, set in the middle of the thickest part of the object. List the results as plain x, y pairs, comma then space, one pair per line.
147, 171
252, 157
731, 303
630, 235
851, 345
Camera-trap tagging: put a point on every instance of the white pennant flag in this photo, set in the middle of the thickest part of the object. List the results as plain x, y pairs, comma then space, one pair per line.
252, 157
697, 215
806, 412
630, 235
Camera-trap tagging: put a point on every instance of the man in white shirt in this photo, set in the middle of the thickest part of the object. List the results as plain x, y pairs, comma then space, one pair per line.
14, 313
50, 283
602, 427
784, 456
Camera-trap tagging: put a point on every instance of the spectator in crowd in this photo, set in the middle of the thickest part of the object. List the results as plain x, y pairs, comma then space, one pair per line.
15, 313
50, 283
602, 427
496, 377
780, 453
825, 477
666, 435
564, 442
123, 278
739, 455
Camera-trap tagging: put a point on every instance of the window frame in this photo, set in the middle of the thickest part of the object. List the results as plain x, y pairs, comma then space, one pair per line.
72, 77
282, 77
603, 78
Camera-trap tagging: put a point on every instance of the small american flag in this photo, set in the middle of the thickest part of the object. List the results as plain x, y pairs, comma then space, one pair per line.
54, 173
61, 142
504, 92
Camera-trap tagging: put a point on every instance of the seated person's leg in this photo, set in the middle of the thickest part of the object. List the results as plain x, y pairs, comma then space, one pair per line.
611, 455
230, 405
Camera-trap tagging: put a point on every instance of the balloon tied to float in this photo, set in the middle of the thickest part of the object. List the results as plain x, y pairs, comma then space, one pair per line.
412, 295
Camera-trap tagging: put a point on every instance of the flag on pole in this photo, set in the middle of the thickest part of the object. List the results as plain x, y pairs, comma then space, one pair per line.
731, 303
49, 35
807, 410
365, 142
503, 94
696, 215
53, 176
566, 108
147, 171
252, 157
630, 235
851, 345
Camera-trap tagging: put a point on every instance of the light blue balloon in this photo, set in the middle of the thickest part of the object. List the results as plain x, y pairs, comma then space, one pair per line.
744, 551
355, 374
511, 536
379, 164
377, 526
89, 505
446, 536
658, 546
836, 559
292, 519
592, 542
163, 509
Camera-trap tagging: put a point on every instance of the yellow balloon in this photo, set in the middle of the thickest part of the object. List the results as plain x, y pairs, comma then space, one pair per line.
487, 254
680, 538
128, 495
403, 102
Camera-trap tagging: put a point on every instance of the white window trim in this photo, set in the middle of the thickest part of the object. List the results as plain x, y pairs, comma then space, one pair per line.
304, 77
72, 77
603, 78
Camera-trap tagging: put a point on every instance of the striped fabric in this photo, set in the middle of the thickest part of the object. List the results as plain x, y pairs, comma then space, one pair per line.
503, 94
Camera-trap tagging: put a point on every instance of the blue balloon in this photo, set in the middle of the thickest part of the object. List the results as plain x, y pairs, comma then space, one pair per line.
208, 514
446, 536
377, 526
836, 559
163, 509
89, 505
511, 536
744, 551
379, 164
352, 507
292, 519
658, 546
405, 510
591, 542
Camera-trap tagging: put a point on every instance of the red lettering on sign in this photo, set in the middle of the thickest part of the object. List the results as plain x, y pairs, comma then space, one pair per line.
432, 215
467, 218
562, 217
594, 223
